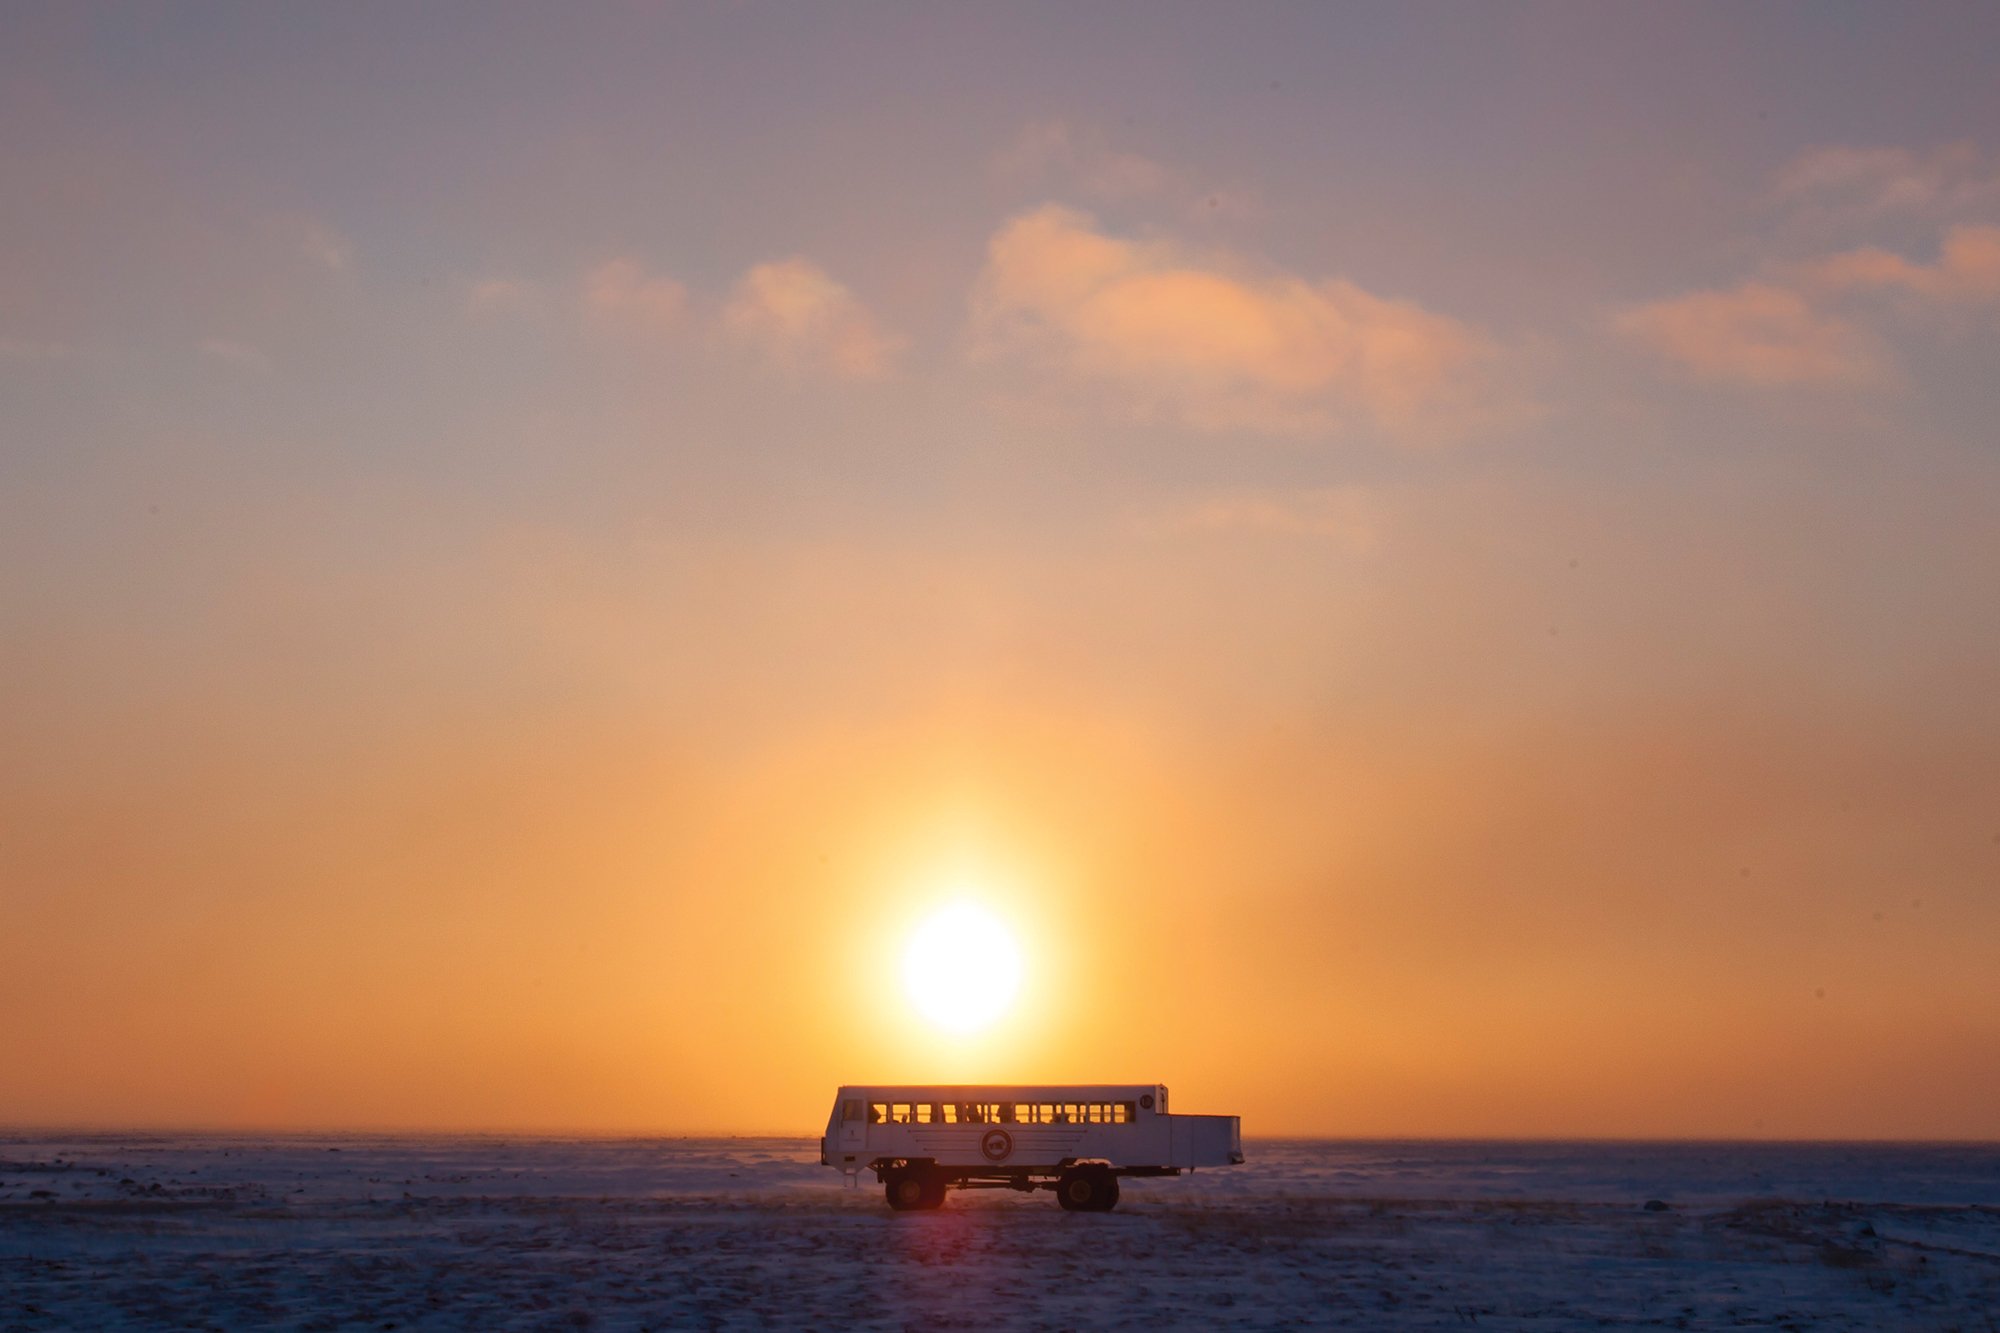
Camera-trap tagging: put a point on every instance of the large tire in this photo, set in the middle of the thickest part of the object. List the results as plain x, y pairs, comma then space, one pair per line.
904, 1190
1089, 1191
914, 1189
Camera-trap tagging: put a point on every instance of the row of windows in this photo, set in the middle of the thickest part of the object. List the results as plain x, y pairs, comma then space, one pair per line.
993, 1113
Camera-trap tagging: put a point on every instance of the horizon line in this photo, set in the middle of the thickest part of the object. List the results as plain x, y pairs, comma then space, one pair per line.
547, 1133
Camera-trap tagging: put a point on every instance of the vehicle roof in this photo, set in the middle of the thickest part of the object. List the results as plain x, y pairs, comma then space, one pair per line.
998, 1092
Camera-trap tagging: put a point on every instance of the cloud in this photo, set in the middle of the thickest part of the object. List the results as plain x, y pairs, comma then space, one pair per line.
1758, 334
1212, 342
231, 352
622, 291
1948, 181
1967, 269
295, 236
796, 314
1081, 157
1060, 156
1803, 321
496, 296
325, 246
1347, 516
31, 349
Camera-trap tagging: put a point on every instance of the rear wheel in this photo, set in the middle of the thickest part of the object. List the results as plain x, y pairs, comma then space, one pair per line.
1090, 1191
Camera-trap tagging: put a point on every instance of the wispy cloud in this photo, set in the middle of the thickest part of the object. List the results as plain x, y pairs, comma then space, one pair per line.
1950, 181
231, 352
798, 316
498, 295
1757, 334
1058, 156
1967, 269
1806, 322
1058, 150
623, 291
32, 349
1346, 516
1214, 341
326, 247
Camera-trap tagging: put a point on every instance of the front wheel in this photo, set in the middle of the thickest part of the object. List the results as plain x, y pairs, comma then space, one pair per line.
1094, 1191
913, 1189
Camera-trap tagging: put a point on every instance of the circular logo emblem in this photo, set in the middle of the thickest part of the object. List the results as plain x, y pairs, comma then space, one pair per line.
996, 1144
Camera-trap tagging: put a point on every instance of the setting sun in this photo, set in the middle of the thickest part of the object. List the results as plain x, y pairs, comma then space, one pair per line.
962, 968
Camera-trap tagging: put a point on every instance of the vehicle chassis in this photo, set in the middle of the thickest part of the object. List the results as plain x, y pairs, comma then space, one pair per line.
1080, 1185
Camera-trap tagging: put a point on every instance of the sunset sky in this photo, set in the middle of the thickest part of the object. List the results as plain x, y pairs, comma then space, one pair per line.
1438, 565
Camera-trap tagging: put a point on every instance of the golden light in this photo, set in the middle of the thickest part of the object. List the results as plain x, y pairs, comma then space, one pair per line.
962, 968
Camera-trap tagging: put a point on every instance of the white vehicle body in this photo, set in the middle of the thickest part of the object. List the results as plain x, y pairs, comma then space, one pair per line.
919, 1139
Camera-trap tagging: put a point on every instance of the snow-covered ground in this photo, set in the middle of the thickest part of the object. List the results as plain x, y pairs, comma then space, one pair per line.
414, 1233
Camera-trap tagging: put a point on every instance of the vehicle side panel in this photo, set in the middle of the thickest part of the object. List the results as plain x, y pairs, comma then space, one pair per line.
1205, 1140
1152, 1140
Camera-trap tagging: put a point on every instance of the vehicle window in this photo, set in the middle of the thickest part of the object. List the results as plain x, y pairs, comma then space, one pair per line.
850, 1110
877, 1112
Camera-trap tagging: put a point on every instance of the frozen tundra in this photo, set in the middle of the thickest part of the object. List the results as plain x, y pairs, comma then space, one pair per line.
1075, 1139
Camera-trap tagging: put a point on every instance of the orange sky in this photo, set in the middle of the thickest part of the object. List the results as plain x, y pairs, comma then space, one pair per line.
1438, 569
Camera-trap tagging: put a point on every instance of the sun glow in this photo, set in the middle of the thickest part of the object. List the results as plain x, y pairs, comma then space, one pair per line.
962, 968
